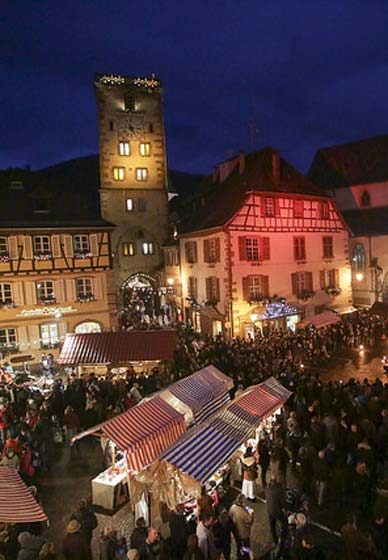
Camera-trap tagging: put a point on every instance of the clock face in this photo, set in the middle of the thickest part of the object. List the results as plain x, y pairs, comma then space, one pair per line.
130, 127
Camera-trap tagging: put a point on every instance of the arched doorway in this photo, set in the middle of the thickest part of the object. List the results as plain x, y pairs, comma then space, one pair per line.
88, 327
145, 303
385, 289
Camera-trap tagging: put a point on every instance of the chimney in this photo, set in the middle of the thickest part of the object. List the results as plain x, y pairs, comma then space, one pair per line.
276, 166
241, 162
215, 174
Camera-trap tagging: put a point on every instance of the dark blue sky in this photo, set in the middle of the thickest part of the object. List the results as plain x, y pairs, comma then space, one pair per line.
310, 73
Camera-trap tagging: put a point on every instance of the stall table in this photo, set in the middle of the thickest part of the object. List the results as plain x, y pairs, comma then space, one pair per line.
110, 488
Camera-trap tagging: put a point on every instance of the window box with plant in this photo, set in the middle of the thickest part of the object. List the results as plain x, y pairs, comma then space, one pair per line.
81, 298
83, 254
6, 349
46, 300
4, 256
49, 345
305, 295
6, 304
333, 291
42, 256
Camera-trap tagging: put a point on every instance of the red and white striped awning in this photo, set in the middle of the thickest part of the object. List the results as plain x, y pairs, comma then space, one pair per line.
144, 431
17, 504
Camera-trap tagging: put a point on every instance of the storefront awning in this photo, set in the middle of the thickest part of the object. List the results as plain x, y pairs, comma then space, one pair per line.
17, 504
144, 431
117, 348
204, 392
206, 448
320, 320
379, 308
342, 309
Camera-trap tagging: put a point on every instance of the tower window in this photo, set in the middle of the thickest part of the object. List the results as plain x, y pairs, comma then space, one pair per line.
141, 173
111, 125
128, 248
141, 205
129, 204
150, 127
145, 149
118, 173
124, 149
129, 102
148, 248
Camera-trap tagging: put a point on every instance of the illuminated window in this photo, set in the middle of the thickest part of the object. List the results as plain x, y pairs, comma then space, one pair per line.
269, 207
359, 259
332, 278
3, 245
254, 287
191, 251
324, 210
81, 243
327, 245
7, 337
299, 248
129, 204
45, 291
84, 288
118, 173
298, 208
192, 286
212, 288
41, 244
128, 248
124, 149
5, 293
252, 248
148, 248
49, 335
141, 174
145, 149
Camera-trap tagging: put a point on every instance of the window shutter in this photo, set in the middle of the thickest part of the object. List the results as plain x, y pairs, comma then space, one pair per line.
17, 293
187, 251
296, 251
293, 283
303, 248
218, 250
56, 245
265, 250
242, 246
322, 279
93, 244
277, 206
13, 247
218, 293
68, 245
34, 336
30, 290
245, 287
208, 288
22, 338
27, 247
336, 278
309, 280
70, 291
195, 285
59, 291
262, 206
195, 251
206, 250
97, 288
264, 285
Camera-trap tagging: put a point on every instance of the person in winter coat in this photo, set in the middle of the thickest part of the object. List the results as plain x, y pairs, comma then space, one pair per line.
264, 458
30, 546
10, 459
276, 497
139, 534
193, 552
249, 468
108, 544
4, 424
74, 545
179, 532
242, 521
88, 521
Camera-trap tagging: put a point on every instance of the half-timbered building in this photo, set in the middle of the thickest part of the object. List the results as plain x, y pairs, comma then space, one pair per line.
261, 247
55, 268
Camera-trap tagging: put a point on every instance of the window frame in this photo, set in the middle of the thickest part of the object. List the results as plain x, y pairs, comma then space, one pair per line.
252, 249
132, 204
79, 239
141, 174
7, 337
126, 247
299, 248
298, 212
150, 248
124, 148
4, 288
327, 247
269, 207
4, 249
84, 289
254, 287
145, 149
41, 244
50, 340
44, 292
118, 173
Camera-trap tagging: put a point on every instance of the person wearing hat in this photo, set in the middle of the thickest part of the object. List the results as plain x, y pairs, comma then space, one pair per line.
30, 545
10, 459
133, 554
74, 546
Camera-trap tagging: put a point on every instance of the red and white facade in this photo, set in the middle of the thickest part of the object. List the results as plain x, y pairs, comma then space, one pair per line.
293, 246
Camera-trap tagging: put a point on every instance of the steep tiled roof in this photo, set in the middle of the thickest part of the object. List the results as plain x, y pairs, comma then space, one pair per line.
218, 201
354, 163
371, 221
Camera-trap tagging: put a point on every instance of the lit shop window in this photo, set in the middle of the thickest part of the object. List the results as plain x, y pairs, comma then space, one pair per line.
124, 149
118, 173
49, 335
141, 174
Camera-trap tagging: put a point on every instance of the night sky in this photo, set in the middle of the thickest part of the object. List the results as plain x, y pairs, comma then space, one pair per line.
308, 73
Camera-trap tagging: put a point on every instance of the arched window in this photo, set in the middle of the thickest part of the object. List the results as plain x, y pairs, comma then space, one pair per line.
359, 258
365, 199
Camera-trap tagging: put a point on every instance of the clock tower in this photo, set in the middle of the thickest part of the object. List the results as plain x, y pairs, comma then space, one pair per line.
133, 175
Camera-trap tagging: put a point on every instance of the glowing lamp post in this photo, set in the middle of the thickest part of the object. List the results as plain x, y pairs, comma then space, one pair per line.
359, 277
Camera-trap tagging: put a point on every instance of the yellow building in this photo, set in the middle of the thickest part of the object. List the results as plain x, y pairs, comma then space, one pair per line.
55, 272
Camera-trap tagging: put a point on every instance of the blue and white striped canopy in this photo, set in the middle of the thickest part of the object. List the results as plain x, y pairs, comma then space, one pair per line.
207, 447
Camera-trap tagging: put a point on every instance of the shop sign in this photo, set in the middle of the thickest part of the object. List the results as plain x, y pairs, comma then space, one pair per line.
46, 311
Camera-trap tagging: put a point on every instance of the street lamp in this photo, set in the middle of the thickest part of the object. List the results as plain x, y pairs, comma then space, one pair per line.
359, 277
170, 281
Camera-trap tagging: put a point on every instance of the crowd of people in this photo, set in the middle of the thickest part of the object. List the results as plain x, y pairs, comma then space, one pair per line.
331, 438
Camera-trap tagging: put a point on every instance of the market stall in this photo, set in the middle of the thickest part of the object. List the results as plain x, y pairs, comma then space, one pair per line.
199, 457
17, 504
320, 320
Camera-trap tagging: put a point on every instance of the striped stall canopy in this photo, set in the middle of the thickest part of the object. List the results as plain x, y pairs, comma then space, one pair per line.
17, 504
206, 448
144, 431
204, 392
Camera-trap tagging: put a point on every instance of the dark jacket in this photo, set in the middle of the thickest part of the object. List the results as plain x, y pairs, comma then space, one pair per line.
179, 530
74, 547
276, 497
138, 537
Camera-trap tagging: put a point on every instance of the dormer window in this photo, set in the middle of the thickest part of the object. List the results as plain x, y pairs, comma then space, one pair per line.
365, 199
